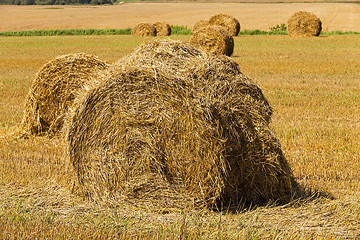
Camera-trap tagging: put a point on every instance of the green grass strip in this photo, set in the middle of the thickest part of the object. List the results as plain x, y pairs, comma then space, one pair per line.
260, 32
340, 33
175, 30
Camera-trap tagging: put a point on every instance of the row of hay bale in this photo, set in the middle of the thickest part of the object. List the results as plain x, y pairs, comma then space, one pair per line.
165, 128
216, 34
300, 24
150, 30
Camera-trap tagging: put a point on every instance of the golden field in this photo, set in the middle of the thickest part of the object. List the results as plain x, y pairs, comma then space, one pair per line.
313, 84
334, 16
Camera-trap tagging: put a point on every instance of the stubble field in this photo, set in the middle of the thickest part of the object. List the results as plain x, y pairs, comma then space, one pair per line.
334, 16
313, 85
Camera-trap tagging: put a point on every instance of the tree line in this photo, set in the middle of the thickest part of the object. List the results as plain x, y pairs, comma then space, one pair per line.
56, 2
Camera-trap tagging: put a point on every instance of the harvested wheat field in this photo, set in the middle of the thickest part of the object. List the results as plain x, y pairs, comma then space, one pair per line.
311, 84
335, 16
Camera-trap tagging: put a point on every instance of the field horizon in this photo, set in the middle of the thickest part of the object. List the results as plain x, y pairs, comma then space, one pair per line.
262, 16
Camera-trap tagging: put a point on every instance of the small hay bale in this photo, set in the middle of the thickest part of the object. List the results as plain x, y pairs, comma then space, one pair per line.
171, 127
162, 29
213, 39
144, 30
200, 24
304, 24
54, 89
230, 23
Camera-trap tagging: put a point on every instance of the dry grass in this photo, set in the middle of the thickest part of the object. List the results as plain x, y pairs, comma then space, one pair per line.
313, 86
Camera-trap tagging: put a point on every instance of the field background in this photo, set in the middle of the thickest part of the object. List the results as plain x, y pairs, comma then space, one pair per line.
334, 16
313, 85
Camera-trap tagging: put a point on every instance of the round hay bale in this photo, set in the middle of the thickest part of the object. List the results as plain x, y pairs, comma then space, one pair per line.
144, 30
54, 89
230, 23
171, 127
200, 24
304, 24
213, 39
162, 29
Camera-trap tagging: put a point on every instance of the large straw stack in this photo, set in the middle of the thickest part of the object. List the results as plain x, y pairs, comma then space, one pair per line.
54, 89
171, 127
144, 30
226, 21
162, 29
213, 39
304, 24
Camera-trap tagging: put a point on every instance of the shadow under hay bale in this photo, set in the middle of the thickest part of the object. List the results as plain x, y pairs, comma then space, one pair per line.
53, 91
228, 22
304, 24
200, 24
213, 39
144, 30
171, 127
162, 29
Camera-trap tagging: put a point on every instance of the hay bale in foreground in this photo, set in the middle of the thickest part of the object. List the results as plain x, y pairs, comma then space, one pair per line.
200, 24
228, 22
144, 30
54, 89
171, 127
304, 24
162, 29
213, 39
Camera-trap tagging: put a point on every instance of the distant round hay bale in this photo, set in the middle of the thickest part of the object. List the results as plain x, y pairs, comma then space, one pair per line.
200, 24
171, 127
162, 29
304, 24
213, 39
54, 89
144, 30
230, 23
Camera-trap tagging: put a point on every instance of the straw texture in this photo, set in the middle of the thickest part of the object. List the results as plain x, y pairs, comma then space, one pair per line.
144, 30
171, 127
228, 22
213, 39
304, 24
162, 29
54, 89
200, 24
